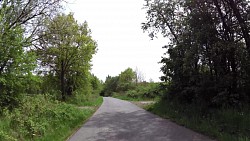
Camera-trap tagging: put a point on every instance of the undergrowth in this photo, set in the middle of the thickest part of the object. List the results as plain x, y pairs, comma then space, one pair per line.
141, 92
222, 124
41, 118
89, 100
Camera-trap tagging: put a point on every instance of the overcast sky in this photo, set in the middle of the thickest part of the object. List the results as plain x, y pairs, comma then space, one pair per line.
116, 26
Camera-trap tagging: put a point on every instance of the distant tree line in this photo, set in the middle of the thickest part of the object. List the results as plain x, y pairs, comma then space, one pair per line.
208, 56
123, 82
130, 85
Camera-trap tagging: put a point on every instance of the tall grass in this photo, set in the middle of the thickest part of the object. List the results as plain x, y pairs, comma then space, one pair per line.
86, 100
222, 124
41, 118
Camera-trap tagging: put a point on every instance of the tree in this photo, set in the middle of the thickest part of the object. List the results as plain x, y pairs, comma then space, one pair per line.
127, 76
110, 86
126, 79
96, 84
207, 39
139, 76
119, 84
66, 49
19, 21
28, 14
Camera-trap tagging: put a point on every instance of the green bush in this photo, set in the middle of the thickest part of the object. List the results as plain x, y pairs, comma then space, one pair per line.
144, 91
141, 91
132, 94
38, 117
79, 97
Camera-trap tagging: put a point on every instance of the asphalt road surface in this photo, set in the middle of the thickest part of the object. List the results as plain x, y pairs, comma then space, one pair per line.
119, 120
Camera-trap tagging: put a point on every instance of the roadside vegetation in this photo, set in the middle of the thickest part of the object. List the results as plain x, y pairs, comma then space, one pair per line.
47, 90
145, 91
206, 65
223, 124
39, 117
130, 85
45, 79
206, 78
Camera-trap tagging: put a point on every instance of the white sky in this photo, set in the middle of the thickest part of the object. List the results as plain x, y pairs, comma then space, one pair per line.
116, 26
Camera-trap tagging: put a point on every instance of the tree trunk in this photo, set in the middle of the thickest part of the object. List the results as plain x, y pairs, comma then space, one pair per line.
62, 81
229, 38
242, 24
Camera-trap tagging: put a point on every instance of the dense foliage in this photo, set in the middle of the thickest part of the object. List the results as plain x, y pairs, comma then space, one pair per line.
208, 55
19, 21
206, 66
121, 83
222, 124
40, 117
142, 91
65, 49
128, 85
45, 57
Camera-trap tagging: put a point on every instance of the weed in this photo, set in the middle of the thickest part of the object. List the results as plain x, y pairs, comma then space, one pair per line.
223, 124
41, 118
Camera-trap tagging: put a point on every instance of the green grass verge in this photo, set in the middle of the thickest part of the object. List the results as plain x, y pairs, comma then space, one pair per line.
222, 124
65, 130
94, 101
40, 118
85, 100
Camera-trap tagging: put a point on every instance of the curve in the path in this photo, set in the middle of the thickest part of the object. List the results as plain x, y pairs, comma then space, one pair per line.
118, 120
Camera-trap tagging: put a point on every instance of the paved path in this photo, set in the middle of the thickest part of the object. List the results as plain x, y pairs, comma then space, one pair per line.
118, 120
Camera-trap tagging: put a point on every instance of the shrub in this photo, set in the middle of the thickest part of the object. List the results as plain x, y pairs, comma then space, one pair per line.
145, 91
39, 116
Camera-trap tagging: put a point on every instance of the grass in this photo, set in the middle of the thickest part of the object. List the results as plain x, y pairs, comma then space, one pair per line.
40, 118
221, 124
94, 101
63, 131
